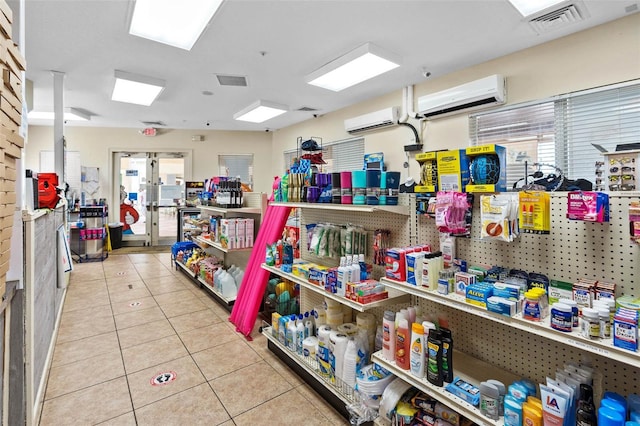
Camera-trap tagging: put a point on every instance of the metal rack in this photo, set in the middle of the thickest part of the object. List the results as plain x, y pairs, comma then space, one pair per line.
255, 204
515, 346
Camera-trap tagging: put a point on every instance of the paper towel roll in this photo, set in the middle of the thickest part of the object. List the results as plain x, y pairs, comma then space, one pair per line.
350, 329
339, 348
334, 319
348, 313
331, 305
309, 345
366, 320
323, 336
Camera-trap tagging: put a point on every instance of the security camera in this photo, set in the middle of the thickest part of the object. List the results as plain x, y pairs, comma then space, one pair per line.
426, 74
208, 123
267, 130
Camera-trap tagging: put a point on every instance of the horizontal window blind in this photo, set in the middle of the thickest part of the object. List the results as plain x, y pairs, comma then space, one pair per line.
237, 165
526, 132
562, 131
607, 118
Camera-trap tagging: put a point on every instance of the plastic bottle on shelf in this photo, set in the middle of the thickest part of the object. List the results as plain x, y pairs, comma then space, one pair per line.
363, 267
308, 325
416, 358
343, 273
389, 336
403, 344
299, 334
355, 270
291, 333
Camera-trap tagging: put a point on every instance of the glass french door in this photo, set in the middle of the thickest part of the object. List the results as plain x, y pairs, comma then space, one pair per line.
151, 188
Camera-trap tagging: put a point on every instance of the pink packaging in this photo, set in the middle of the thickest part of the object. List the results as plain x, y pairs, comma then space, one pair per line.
588, 206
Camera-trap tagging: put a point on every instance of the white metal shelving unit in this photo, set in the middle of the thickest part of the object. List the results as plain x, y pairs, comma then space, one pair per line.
399, 209
394, 296
467, 368
255, 206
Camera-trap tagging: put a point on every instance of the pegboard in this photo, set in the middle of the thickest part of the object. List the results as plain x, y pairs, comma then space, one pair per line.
398, 224
572, 250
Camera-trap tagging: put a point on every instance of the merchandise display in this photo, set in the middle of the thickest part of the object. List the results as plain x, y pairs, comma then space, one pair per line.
487, 168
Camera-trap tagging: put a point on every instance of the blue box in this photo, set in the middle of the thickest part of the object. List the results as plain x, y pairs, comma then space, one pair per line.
464, 390
477, 294
475, 152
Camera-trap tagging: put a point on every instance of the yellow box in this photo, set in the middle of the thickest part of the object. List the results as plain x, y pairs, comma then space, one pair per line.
428, 172
453, 170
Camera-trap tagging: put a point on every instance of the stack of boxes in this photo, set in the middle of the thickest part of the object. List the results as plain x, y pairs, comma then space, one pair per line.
11, 143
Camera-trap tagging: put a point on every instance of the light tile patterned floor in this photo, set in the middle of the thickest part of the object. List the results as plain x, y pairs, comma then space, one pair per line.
131, 317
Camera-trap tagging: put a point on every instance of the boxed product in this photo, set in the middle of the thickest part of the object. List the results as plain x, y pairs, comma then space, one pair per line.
588, 206
502, 306
605, 290
396, 264
318, 275
559, 290
625, 329
241, 231
428, 172
488, 168
249, 231
462, 281
414, 267
228, 233
478, 293
464, 390
453, 170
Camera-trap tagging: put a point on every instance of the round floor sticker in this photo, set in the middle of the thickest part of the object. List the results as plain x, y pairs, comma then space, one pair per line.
135, 304
121, 273
163, 378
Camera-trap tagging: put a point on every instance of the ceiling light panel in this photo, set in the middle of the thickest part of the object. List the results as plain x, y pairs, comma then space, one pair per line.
176, 23
530, 7
260, 111
361, 64
136, 89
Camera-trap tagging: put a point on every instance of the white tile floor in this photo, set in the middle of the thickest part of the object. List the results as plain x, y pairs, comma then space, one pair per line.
132, 317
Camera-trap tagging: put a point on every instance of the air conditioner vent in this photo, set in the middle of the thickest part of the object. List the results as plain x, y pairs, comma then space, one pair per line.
232, 80
153, 123
559, 18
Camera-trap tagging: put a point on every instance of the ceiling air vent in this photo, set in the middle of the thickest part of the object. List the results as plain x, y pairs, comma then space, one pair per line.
232, 80
153, 123
559, 18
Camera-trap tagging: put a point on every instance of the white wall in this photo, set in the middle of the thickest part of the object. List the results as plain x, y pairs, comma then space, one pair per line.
94, 145
599, 56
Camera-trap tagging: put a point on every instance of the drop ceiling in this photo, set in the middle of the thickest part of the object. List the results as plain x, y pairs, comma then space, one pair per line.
273, 44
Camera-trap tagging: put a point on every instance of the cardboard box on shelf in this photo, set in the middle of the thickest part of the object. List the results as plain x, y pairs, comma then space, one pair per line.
453, 170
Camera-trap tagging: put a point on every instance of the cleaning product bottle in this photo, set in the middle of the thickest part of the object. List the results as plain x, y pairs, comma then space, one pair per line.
282, 329
417, 350
411, 311
343, 273
308, 325
291, 333
434, 360
447, 355
403, 341
389, 336
299, 334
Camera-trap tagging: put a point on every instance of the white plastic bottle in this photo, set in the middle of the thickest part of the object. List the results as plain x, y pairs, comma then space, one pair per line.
349, 263
299, 334
417, 350
343, 276
291, 333
355, 270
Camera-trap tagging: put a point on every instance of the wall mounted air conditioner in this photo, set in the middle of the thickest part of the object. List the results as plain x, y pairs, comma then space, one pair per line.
372, 121
483, 93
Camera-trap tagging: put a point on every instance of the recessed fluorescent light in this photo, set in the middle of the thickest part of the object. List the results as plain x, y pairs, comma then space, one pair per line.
176, 23
260, 111
136, 89
529, 7
70, 114
363, 63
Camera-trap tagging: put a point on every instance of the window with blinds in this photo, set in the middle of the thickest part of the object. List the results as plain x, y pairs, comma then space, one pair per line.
339, 156
561, 131
235, 165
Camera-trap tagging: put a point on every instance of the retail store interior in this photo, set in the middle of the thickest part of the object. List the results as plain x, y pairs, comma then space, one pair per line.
450, 236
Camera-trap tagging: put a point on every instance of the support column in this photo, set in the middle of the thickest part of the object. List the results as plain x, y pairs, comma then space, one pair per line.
58, 125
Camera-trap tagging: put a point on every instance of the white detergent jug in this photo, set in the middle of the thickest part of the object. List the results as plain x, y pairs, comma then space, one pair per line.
228, 286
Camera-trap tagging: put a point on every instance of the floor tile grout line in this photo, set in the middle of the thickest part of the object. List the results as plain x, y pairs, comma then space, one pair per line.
124, 368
